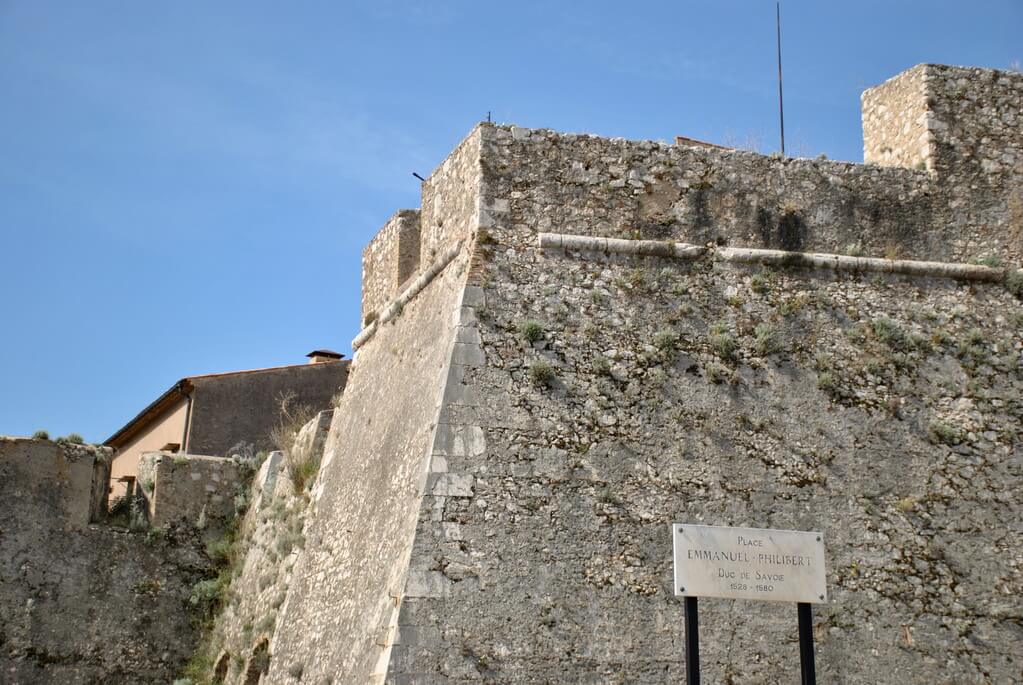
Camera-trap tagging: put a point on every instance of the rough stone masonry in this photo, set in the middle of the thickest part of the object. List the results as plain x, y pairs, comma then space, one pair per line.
523, 426
574, 343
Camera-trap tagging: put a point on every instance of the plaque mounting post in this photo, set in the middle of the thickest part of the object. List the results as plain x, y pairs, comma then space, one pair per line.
806, 662
692, 643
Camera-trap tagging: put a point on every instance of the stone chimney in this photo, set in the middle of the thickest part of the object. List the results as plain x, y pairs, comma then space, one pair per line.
322, 356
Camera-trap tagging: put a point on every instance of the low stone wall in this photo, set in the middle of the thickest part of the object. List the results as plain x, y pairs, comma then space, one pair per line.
191, 489
53, 481
85, 603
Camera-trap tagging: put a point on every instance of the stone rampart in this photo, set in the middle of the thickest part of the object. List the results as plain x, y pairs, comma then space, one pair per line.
268, 541
85, 603
963, 124
451, 199
519, 432
579, 184
52, 482
190, 489
348, 582
882, 410
895, 131
389, 260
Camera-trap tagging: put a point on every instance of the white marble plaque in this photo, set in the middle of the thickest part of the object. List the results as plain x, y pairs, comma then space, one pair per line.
749, 563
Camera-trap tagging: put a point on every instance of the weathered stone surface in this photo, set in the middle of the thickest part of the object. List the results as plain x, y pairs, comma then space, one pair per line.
963, 125
495, 505
192, 490
389, 260
85, 603
565, 540
348, 582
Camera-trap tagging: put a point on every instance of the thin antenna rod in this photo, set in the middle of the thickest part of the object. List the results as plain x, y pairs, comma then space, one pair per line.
781, 101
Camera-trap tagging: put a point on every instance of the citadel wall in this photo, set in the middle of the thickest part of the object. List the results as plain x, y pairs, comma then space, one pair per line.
388, 261
522, 424
895, 122
268, 541
494, 505
337, 621
81, 602
190, 489
882, 411
962, 124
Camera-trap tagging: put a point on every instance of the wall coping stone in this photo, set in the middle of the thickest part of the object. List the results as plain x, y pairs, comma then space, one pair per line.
781, 258
394, 308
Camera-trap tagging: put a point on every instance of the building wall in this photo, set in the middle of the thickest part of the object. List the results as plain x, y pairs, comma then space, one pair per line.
85, 603
389, 260
168, 428
243, 407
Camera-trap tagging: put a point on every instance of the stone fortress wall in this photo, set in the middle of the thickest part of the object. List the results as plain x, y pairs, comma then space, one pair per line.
267, 543
388, 261
189, 489
511, 524
81, 601
963, 125
574, 343
338, 620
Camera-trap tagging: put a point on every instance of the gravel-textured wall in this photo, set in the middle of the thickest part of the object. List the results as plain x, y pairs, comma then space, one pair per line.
565, 183
84, 603
884, 413
977, 120
512, 446
965, 125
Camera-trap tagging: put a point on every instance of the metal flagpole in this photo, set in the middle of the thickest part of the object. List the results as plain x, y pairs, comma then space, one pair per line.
781, 102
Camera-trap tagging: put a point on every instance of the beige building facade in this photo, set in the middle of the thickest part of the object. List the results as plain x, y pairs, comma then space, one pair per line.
215, 413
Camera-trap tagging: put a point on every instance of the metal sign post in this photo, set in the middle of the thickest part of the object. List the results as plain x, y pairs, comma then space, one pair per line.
692, 643
749, 563
807, 668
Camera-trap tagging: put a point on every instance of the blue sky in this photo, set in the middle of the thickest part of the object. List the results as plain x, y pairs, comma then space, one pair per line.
187, 187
